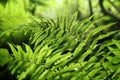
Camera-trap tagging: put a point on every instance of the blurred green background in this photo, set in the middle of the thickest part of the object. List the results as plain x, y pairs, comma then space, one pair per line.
85, 8
51, 9
110, 9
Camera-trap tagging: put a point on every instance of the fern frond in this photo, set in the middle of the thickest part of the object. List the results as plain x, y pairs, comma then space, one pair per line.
54, 51
11, 17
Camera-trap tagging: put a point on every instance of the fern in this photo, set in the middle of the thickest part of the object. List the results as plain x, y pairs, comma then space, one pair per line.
12, 17
114, 59
12, 21
64, 49
58, 54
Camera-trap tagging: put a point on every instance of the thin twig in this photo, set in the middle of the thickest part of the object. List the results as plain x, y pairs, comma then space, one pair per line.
91, 12
114, 6
105, 12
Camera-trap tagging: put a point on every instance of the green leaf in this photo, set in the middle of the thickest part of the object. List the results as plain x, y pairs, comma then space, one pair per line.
5, 57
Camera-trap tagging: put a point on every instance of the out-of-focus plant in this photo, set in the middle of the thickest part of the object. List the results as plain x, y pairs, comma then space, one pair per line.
11, 18
32, 6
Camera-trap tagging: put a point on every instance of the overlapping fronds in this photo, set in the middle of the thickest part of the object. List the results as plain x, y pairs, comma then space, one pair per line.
12, 18
58, 50
112, 58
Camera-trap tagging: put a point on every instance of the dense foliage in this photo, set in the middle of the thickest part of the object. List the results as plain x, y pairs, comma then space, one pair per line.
62, 49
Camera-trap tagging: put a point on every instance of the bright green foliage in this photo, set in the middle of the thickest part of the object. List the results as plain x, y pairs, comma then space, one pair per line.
114, 60
12, 18
5, 57
59, 53
59, 50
